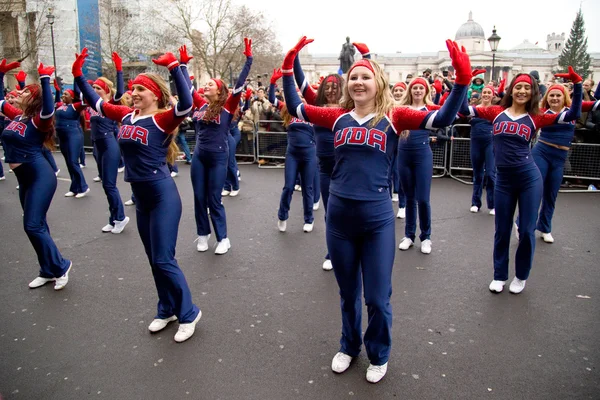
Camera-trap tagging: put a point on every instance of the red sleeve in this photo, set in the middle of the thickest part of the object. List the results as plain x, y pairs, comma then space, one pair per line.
279, 104
323, 116
406, 118
198, 100
168, 120
444, 97
79, 106
10, 111
433, 107
310, 95
114, 111
490, 113
588, 106
543, 120
233, 102
42, 124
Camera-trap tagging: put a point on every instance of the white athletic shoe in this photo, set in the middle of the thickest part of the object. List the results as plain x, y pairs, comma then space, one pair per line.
426, 246
80, 195
120, 225
234, 193
376, 372
129, 202
340, 362
223, 246
174, 174
308, 227
160, 324
497, 286
405, 243
186, 331
69, 194
2, 178
474, 209
57, 172
547, 237
282, 225
122, 169
97, 179
517, 285
401, 213
82, 166
327, 265
61, 282
202, 242
40, 281
108, 228
394, 196
225, 192
493, 211
298, 188
316, 206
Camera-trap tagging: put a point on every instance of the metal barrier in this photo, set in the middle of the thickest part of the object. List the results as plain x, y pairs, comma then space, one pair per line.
439, 150
583, 162
244, 151
270, 145
460, 154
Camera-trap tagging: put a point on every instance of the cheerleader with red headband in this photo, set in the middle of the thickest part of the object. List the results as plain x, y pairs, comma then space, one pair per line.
146, 139
362, 248
518, 179
212, 117
24, 137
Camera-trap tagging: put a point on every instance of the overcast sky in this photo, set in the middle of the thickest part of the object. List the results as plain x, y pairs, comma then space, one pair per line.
389, 26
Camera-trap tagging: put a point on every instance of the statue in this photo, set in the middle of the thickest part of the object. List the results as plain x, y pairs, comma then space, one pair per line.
347, 55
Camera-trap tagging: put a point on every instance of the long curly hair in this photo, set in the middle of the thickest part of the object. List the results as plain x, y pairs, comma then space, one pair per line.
215, 107
32, 106
533, 105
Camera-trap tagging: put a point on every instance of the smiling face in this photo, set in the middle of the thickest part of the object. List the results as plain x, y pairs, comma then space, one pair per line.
211, 90
362, 87
398, 92
487, 95
556, 99
143, 98
22, 99
66, 98
418, 92
100, 92
521, 93
331, 92
12, 100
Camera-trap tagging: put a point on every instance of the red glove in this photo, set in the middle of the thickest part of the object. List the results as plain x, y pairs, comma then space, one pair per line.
362, 48
437, 85
248, 47
5, 67
477, 72
47, 70
502, 86
167, 60
118, 61
56, 86
130, 84
571, 76
321, 79
79, 61
288, 62
21, 76
460, 62
276, 75
248, 94
192, 78
184, 57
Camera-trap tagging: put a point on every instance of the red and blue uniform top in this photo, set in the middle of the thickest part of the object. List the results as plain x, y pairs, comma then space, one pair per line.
300, 134
481, 129
418, 138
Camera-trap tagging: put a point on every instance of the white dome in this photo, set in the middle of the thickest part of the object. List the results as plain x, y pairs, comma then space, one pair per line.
526, 47
470, 29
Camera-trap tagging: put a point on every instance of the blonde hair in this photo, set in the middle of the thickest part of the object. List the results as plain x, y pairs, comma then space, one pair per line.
407, 98
110, 85
567, 103
384, 101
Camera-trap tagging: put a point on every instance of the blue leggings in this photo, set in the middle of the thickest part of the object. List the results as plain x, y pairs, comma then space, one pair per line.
82, 151
520, 185
551, 162
416, 172
482, 157
108, 156
158, 211
231, 181
361, 240
48, 156
37, 184
208, 173
299, 160
325, 166
71, 143
396, 183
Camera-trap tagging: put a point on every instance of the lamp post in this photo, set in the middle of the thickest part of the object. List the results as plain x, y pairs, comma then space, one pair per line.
494, 40
50, 17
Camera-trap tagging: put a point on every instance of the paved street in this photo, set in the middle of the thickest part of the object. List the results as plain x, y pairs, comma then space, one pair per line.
271, 321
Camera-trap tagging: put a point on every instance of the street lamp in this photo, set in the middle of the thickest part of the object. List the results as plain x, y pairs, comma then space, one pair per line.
50, 17
494, 40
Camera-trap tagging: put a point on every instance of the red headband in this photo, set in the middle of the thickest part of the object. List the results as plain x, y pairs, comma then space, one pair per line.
557, 87
33, 89
71, 92
13, 93
103, 85
362, 63
218, 82
420, 81
399, 84
491, 87
149, 84
523, 78
331, 78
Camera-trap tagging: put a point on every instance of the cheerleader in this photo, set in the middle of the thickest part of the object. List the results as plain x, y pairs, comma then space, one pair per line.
398, 195
360, 217
232, 182
31, 129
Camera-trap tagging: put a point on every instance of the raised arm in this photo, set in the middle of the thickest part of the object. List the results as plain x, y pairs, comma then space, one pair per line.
310, 95
272, 99
120, 81
184, 58
43, 121
363, 50
21, 77
574, 112
233, 100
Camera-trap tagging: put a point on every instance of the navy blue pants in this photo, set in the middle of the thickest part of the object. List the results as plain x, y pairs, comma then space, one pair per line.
82, 151
551, 162
108, 158
158, 211
231, 181
482, 160
325, 166
299, 160
396, 182
208, 173
520, 185
71, 143
95, 154
416, 172
48, 156
316, 183
184, 146
361, 241
37, 184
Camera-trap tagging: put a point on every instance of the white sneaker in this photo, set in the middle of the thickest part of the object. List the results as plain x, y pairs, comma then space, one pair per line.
225, 192
81, 166
474, 209
517, 286
547, 237
516, 231
426, 246
122, 169
174, 174
405, 243
108, 228
69, 194
61, 282
234, 193
308, 227
120, 225
57, 172
2, 178
394, 196
376, 372
129, 202
493, 211
97, 179
202, 242
11, 171
160, 324
327, 265
340, 362
223, 246
316, 206
186, 331
497, 286
298, 188
40, 281
282, 225
80, 195
17, 187
401, 213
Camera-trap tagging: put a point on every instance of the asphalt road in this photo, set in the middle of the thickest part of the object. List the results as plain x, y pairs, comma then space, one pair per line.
271, 321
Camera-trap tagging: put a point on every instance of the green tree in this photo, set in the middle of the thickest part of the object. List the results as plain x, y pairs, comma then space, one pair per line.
575, 51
